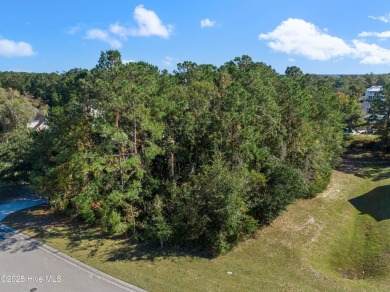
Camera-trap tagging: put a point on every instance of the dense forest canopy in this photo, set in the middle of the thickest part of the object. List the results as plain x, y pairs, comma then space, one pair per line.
200, 158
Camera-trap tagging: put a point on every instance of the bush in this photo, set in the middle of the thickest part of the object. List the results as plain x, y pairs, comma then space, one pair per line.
159, 230
284, 184
114, 223
210, 211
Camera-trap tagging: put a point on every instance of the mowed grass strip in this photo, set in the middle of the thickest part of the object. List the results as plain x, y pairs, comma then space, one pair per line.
338, 241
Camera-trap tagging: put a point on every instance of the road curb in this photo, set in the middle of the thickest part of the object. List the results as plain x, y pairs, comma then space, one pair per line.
119, 283
76, 263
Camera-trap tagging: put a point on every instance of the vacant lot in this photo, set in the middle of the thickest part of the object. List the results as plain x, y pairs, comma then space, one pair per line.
336, 241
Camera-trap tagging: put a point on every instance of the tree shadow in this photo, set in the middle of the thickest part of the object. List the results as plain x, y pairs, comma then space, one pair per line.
12, 242
149, 252
126, 248
365, 165
78, 237
375, 203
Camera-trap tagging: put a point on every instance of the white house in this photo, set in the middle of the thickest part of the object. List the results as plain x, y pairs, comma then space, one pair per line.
37, 123
373, 91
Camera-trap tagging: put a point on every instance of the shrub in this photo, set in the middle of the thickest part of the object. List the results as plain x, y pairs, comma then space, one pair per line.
210, 210
284, 184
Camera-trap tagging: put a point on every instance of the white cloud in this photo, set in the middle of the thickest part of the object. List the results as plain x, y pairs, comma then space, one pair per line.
10, 49
207, 23
384, 34
98, 34
296, 36
385, 19
74, 29
168, 61
371, 54
291, 60
128, 61
119, 30
149, 24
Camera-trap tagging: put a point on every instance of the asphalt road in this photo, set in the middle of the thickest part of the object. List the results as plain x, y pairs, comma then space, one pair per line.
28, 265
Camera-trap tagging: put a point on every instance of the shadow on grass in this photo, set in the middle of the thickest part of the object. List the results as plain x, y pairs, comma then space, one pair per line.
24, 220
375, 203
77, 236
365, 164
148, 252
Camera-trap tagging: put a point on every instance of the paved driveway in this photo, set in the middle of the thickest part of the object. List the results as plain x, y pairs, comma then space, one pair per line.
20, 203
28, 265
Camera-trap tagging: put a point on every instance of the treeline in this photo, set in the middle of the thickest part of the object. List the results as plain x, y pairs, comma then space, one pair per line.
45, 85
200, 158
41, 86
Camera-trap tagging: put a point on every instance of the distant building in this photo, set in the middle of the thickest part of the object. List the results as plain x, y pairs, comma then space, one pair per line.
37, 123
373, 92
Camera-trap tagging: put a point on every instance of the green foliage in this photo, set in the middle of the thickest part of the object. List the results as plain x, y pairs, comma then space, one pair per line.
115, 225
209, 210
13, 148
16, 110
40, 86
198, 158
284, 185
159, 229
109, 60
380, 116
293, 71
353, 115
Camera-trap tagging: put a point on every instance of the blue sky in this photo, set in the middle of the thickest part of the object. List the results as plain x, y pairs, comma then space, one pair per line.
324, 37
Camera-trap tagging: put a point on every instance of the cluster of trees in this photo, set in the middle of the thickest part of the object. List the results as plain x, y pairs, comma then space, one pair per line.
379, 116
199, 158
16, 110
351, 88
39, 85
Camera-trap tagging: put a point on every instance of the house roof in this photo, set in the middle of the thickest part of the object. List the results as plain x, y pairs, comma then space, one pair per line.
36, 122
374, 88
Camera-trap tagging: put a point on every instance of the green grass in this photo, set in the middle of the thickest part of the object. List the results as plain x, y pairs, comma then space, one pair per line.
338, 241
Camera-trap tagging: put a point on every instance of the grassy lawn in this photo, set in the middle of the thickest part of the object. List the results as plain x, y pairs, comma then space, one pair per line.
338, 241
